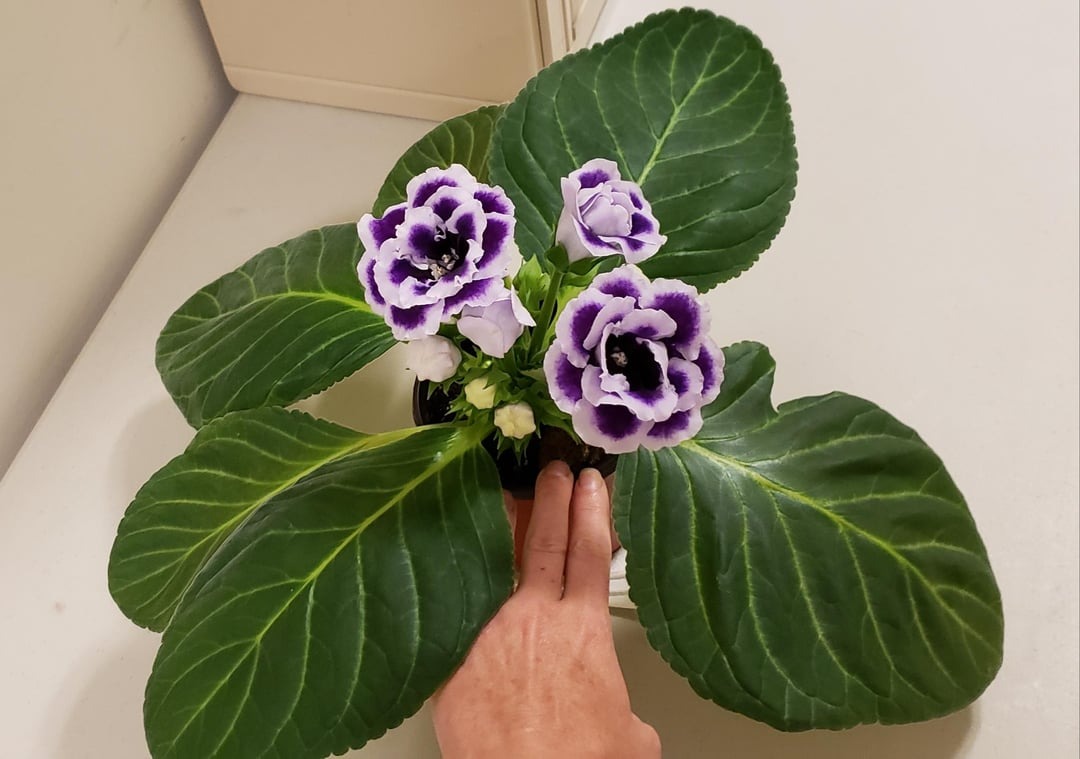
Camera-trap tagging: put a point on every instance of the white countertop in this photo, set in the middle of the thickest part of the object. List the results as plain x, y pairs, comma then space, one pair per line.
922, 275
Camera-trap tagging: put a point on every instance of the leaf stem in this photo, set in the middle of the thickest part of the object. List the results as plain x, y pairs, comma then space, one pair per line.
543, 324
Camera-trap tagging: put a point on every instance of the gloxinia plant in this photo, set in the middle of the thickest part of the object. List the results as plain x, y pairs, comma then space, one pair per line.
809, 565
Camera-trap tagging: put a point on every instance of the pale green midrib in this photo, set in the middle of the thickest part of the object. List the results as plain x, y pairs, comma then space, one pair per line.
325, 295
371, 442
922, 633
874, 621
674, 119
337, 371
298, 337
751, 595
844, 524
807, 598
196, 350
465, 444
755, 697
299, 690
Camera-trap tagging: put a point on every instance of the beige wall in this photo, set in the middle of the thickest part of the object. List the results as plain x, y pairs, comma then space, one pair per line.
105, 107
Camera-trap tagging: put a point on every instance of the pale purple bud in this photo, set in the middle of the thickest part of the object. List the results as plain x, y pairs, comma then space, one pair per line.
604, 214
496, 327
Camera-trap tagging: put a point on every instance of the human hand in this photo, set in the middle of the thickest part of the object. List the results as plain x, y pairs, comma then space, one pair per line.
542, 680
520, 511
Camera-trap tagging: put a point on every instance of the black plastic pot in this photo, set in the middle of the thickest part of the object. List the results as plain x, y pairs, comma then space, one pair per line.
520, 479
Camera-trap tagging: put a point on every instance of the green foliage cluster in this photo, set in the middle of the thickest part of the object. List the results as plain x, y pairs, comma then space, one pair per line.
808, 565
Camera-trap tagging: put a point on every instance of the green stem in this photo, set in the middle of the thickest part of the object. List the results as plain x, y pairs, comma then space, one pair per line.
544, 322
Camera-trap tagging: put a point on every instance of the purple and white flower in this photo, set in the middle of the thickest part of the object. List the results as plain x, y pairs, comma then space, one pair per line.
604, 214
632, 362
447, 247
496, 327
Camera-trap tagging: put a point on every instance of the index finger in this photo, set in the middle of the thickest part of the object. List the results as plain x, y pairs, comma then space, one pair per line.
543, 558
588, 559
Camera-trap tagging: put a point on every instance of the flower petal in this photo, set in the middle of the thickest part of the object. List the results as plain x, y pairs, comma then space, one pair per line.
606, 218
612, 428
596, 172
599, 387
576, 321
497, 245
374, 232
520, 312
416, 236
648, 324
687, 380
710, 361
680, 427
493, 200
421, 187
478, 292
682, 303
563, 378
494, 328
414, 323
366, 271
433, 358
628, 281
486, 335
612, 313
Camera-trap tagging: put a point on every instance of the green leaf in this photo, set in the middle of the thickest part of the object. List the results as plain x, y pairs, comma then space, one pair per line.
812, 566
691, 107
339, 606
189, 507
463, 139
287, 324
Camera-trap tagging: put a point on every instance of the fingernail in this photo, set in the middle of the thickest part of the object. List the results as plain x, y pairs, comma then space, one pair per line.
558, 469
590, 480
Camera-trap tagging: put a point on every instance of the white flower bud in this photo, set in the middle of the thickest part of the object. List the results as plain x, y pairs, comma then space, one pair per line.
433, 358
479, 393
515, 420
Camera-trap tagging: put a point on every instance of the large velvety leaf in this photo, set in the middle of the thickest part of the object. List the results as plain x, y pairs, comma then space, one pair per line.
810, 566
290, 322
691, 106
463, 139
189, 507
338, 607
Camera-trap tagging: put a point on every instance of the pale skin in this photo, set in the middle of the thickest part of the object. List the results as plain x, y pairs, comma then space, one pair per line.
542, 680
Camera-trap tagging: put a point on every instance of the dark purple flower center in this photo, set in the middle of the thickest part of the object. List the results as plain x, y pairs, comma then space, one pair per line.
631, 357
447, 251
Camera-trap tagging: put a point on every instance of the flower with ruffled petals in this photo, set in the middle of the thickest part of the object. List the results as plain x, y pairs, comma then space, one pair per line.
432, 358
604, 214
632, 362
447, 247
496, 327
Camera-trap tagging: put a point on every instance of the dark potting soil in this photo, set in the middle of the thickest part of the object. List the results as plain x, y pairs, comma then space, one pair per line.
553, 444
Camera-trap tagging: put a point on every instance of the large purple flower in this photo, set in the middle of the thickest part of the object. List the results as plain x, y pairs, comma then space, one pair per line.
632, 362
448, 246
604, 214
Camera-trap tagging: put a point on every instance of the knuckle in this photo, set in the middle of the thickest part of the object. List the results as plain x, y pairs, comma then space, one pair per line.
589, 547
556, 471
549, 545
649, 740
